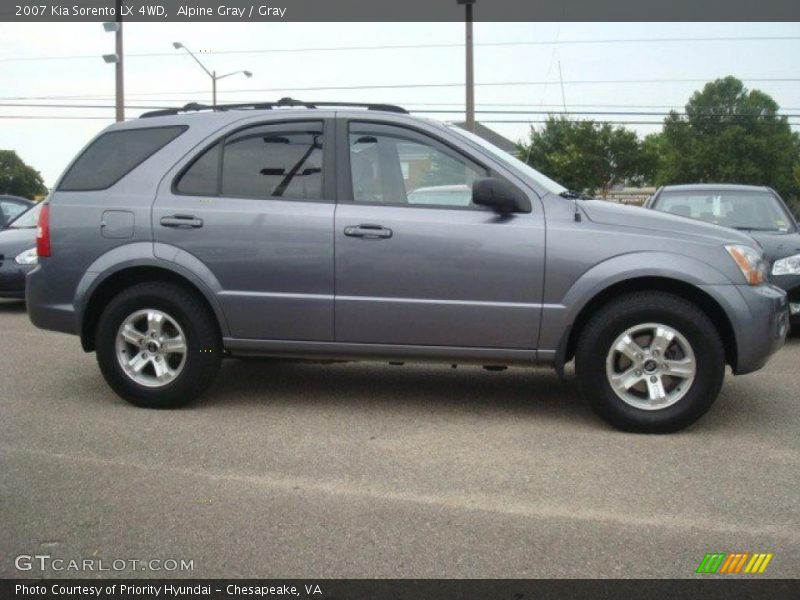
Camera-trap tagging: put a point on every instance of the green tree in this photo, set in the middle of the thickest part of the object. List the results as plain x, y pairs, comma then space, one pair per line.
729, 134
17, 178
586, 156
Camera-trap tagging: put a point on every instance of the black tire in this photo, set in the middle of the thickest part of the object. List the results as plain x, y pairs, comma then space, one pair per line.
203, 344
617, 317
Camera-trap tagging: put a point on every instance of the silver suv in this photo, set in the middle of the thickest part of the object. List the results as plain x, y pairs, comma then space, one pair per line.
336, 231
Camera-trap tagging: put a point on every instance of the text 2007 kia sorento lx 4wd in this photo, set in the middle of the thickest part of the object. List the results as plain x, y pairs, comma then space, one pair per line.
293, 229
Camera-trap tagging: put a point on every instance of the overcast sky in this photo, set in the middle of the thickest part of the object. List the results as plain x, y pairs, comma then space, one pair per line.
173, 79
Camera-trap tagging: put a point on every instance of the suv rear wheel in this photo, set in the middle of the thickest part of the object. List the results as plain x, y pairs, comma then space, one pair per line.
650, 362
157, 345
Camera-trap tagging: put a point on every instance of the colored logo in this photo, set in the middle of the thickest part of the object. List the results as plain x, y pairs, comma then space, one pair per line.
734, 563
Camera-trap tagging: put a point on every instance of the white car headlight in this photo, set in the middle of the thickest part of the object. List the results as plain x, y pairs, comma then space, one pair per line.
750, 261
29, 257
787, 266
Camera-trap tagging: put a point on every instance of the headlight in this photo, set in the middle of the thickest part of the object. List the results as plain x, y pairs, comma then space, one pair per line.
787, 266
752, 262
29, 257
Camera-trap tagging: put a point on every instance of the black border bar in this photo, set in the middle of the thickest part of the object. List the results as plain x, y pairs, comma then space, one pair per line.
400, 10
707, 588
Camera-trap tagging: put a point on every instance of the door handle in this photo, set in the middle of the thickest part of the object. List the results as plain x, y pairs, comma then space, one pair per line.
368, 231
182, 221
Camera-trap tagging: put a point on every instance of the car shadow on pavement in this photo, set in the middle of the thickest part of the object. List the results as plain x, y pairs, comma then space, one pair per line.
12, 306
532, 393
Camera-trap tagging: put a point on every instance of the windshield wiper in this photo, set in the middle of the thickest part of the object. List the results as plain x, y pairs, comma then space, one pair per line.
743, 228
573, 195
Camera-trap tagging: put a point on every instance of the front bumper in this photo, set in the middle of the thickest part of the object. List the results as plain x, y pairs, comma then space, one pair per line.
790, 283
12, 279
759, 316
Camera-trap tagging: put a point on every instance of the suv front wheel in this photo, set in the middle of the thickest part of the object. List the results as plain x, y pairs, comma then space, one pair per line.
650, 362
157, 345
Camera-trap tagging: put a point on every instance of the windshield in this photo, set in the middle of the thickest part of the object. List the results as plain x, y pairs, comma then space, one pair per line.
512, 161
745, 210
29, 218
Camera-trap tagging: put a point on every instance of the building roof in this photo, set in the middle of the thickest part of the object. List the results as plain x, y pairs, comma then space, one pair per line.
491, 136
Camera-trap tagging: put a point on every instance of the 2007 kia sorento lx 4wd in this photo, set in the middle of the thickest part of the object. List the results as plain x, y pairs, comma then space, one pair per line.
292, 229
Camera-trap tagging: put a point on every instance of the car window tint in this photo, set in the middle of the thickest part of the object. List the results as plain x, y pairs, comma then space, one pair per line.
271, 162
202, 177
398, 170
115, 154
365, 169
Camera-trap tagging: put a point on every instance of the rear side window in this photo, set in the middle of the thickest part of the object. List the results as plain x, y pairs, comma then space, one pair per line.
115, 154
202, 177
266, 161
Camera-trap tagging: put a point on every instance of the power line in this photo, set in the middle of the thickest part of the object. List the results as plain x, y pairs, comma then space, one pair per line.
111, 118
439, 111
520, 105
421, 86
424, 46
496, 121
34, 105
57, 117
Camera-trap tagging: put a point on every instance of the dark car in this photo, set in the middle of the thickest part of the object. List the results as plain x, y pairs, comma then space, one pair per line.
11, 207
758, 211
18, 253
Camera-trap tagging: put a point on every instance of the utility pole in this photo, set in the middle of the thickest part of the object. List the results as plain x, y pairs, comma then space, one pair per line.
563, 94
470, 78
120, 83
116, 59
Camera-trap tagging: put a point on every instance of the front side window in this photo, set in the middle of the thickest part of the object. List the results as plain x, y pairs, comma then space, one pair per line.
115, 154
394, 168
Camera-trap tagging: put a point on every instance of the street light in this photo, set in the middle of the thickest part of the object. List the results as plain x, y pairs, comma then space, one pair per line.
470, 100
212, 74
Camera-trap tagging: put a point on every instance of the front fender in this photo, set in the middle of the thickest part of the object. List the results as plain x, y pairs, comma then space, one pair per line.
558, 318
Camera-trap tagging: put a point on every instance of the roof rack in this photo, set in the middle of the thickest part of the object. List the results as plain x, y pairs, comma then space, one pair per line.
282, 103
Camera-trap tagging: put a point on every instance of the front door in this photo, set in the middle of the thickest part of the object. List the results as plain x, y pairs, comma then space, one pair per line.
416, 262
256, 209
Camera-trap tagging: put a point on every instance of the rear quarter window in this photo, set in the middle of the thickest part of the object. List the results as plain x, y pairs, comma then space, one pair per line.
115, 154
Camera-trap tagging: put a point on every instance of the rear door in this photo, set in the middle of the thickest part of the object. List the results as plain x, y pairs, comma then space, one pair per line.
256, 209
416, 262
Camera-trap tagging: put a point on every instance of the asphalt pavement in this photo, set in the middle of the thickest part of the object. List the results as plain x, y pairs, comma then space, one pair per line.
290, 470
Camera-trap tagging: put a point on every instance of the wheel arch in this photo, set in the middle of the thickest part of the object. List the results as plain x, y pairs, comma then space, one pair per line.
102, 289
700, 298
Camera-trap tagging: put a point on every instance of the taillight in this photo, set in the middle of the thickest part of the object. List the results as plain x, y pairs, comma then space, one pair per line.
43, 232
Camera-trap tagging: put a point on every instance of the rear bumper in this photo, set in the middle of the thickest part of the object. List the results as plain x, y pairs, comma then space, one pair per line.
43, 311
760, 319
12, 279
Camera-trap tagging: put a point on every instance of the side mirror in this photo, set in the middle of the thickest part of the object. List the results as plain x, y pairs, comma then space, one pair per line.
499, 195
